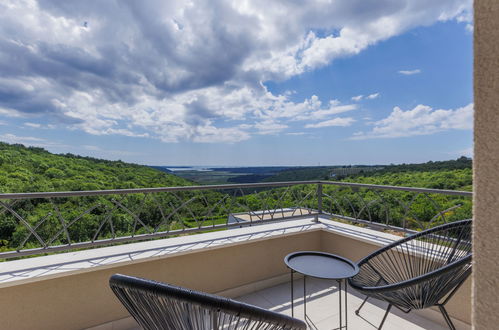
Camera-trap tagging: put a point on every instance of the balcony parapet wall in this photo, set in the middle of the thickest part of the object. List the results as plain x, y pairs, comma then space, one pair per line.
70, 290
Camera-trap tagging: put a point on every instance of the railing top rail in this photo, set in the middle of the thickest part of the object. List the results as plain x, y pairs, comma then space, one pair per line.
223, 186
149, 190
412, 189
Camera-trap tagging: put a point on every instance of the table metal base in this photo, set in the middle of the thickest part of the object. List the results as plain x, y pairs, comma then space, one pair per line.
343, 283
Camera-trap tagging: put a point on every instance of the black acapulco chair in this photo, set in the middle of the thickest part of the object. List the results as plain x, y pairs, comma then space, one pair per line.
156, 305
419, 271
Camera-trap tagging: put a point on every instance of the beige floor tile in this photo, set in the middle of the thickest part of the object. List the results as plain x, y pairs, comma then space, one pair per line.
322, 307
256, 299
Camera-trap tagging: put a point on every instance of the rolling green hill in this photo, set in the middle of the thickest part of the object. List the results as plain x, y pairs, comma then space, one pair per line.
457, 179
384, 173
30, 169
301, 174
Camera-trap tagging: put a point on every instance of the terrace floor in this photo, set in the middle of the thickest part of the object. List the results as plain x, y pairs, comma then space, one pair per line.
322, 307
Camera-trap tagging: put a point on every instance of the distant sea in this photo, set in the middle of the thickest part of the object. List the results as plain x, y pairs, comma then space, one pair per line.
188, 168
221, 168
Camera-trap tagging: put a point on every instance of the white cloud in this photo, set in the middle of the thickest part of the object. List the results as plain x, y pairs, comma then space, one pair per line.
34, 125
183, 71
410, 72
100, 150
346, 121
367, 97
11, 113
269, 127
296, 133
12, 138
465, 17
334, 108
30, 141
211, 134
38, 125
468, 152
422, 120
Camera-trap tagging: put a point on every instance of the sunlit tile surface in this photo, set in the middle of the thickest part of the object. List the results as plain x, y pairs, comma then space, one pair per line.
322, 307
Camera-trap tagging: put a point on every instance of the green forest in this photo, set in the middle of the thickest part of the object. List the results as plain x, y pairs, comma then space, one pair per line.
382, 172
31, 169
64, 220
441, 179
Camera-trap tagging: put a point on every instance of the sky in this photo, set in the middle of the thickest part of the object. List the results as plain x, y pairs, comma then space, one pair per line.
239, 83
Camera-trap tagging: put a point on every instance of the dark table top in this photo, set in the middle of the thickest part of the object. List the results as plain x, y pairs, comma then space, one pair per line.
321, 265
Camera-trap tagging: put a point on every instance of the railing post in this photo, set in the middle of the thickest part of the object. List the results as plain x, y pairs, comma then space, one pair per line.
319, 201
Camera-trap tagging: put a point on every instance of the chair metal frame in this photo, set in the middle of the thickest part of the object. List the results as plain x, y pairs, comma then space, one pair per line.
156, 305
420, 271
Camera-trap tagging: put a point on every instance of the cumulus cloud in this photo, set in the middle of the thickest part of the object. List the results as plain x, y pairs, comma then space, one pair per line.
422, 120
345, 121
410, 72
189, 71
372, 96
357, 98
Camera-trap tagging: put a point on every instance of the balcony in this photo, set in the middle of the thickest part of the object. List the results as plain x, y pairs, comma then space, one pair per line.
233, 246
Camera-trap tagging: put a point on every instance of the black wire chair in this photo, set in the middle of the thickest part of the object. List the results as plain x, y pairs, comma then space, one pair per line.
156, 305
419, 271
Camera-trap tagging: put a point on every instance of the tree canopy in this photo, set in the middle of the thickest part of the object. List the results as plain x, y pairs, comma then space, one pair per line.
31, 169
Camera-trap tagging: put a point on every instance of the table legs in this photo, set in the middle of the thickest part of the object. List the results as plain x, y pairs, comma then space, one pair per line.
292, 295
339, 296
342, 286
304, 297
346, 303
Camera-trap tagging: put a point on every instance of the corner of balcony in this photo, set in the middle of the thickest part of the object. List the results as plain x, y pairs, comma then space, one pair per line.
70, 290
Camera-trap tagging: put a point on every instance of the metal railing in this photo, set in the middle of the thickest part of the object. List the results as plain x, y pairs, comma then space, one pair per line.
37, 223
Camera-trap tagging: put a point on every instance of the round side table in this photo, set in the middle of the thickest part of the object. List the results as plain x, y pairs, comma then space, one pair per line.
321, 265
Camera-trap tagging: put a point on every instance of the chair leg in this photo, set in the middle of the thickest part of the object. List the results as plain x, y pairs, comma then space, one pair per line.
358, 309
446, 317
384, 317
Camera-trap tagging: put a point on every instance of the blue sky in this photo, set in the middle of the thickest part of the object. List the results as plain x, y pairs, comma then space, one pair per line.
170, 83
